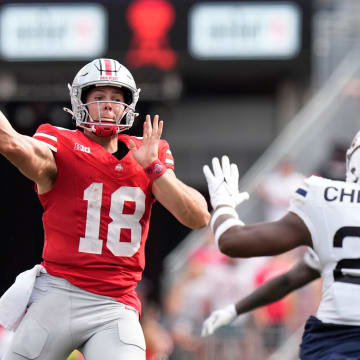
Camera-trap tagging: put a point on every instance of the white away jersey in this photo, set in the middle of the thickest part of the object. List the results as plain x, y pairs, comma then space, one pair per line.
331, 211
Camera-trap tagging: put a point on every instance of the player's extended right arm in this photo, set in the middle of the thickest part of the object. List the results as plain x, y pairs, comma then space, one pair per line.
32, 157
273, 290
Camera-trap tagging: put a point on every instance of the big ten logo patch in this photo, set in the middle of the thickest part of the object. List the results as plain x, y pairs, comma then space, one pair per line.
79, 147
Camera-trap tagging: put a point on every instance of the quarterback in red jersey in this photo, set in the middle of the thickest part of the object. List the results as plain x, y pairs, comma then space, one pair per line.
97, 186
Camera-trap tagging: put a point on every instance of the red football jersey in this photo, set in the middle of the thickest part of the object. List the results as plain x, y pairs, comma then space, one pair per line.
96, 216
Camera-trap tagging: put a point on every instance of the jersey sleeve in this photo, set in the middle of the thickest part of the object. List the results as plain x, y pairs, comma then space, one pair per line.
311, 259
47, 134
165, 155
301, 204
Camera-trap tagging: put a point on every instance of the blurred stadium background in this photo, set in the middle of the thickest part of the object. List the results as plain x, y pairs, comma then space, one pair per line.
262, 81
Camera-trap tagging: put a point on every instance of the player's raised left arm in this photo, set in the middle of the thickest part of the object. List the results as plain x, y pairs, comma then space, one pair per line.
185, 203
263, 239
233, 237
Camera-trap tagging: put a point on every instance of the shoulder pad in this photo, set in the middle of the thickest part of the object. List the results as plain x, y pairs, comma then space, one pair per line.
47, 134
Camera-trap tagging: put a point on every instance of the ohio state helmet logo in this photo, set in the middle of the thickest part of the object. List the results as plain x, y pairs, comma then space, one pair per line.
108, 67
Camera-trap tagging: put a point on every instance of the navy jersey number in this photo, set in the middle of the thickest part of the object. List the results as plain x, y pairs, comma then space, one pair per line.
349, 264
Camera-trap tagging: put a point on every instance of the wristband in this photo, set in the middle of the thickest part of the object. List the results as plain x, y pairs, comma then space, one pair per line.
155, 169
226, 225
232, 312
224, 210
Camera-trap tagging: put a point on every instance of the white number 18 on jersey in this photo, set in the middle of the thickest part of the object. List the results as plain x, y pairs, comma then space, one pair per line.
91, 242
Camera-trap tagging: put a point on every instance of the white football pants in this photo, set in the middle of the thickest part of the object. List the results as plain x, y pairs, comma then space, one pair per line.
61, 317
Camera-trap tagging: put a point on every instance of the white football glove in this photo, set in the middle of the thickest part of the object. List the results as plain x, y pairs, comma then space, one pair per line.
218, 318
223, 183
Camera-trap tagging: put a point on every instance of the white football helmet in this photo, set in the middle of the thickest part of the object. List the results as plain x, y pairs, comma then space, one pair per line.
103, 72
353, 160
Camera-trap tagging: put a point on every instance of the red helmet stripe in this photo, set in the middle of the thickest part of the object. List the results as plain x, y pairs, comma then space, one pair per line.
108, 69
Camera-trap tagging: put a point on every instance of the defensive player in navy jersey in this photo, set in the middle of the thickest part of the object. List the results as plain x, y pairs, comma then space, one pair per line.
97, 186
323, 215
